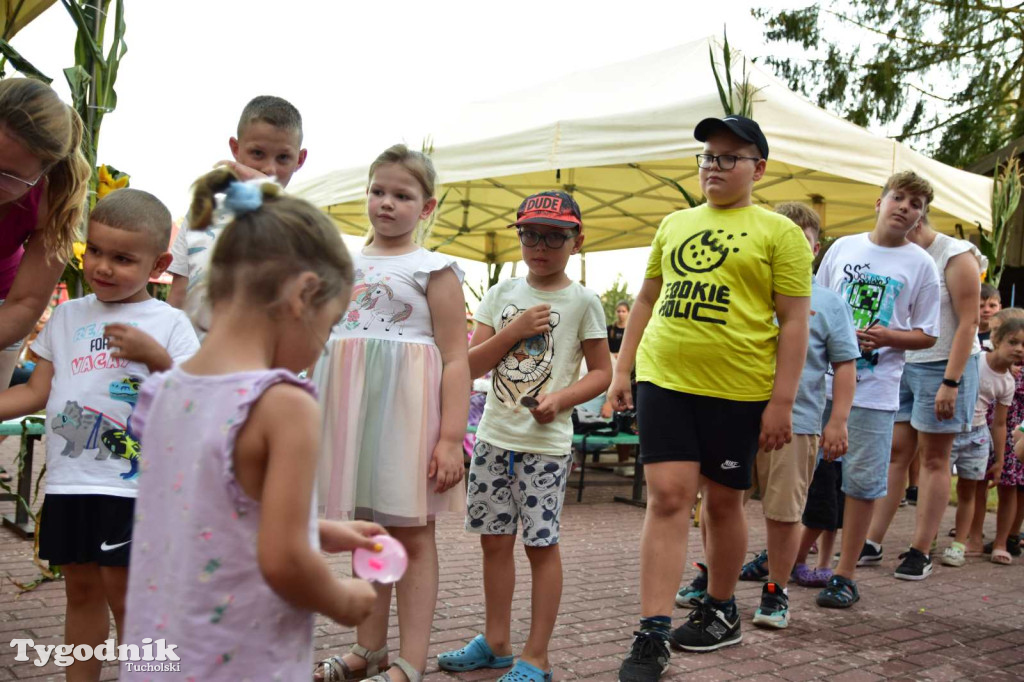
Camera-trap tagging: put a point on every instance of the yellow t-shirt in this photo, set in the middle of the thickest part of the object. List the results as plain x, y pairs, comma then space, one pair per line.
713, 331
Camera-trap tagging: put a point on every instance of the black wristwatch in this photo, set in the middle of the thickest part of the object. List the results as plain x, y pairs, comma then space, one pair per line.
950, 382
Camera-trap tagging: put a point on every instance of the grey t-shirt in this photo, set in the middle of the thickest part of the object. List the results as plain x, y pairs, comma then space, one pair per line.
832, 339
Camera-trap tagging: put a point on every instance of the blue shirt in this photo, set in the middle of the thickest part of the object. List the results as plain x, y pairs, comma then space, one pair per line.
832, 339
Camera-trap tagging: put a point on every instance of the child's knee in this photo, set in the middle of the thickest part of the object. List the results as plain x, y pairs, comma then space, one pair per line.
494, 545
83, 589
542, 554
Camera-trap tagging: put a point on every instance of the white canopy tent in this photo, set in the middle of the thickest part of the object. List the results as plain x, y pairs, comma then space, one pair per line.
617, 137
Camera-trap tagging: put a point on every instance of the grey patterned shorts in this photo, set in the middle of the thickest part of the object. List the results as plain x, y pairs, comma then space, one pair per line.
505, 486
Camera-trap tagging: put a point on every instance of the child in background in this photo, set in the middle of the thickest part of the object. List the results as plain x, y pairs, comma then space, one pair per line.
991, 303
971, 449
89, 391
269, 145
784, 476
1014, 417
533, 333
226, 557
395, 389
892, 286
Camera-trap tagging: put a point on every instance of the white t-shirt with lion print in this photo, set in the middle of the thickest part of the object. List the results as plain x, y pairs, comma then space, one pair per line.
538, 365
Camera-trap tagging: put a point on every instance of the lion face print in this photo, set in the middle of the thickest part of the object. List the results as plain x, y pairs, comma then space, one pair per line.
527, 366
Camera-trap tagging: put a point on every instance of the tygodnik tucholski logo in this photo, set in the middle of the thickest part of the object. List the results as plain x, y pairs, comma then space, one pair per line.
136, 658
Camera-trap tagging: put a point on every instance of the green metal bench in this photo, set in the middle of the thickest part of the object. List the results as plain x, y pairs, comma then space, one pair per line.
30, 433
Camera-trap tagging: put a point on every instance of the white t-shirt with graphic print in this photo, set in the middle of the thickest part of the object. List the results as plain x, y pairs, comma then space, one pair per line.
895, 287
90, 448
541, 364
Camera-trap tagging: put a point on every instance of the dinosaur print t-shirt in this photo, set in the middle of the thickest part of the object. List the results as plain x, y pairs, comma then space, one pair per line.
537, 365
91, 448
895, 287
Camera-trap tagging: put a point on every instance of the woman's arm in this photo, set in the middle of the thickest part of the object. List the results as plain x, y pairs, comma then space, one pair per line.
448, 312
30, 293
963, 281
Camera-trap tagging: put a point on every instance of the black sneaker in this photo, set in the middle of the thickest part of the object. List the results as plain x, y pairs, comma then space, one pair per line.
774, 609
869, 556
647, 660
911, 494
694, 593
706, 630
916, 565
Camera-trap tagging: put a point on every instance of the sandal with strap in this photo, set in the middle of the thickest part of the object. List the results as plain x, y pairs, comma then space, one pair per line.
840, 593
477, 654
405, 666
335, 669
756, 569
1001, 557
524, 672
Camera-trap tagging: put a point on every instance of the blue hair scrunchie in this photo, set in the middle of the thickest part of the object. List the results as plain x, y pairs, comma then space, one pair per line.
243, 197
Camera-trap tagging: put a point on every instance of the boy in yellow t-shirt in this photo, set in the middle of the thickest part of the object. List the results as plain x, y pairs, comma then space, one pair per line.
707, 354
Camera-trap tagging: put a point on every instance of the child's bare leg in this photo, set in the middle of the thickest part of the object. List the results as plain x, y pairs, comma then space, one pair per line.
726, 540
87, 618
546, 568
1019, 518
807, 538
783, 549
115, 587
1005, 514
975, 540
965, 491
856, 519
826, 546
499, 587
671, 492
417, 595
933, 489
372, 633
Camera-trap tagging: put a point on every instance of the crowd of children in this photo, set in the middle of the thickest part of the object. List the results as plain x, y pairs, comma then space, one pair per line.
220, 475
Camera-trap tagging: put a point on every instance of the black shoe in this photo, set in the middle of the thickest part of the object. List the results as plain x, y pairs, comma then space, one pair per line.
694, 593
869, 556
774, 609
647, 660
916, 565
911, 494
706, 630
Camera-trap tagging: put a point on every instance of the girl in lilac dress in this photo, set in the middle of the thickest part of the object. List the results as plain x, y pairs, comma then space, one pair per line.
226, 562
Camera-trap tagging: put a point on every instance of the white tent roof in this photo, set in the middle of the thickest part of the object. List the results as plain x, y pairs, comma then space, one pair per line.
610, 136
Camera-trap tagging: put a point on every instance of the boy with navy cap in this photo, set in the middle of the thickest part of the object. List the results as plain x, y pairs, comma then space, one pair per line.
716, 380
532, 334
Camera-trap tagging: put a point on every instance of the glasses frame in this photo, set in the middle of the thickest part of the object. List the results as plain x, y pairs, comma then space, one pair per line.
561, 237
27, 185
716, 159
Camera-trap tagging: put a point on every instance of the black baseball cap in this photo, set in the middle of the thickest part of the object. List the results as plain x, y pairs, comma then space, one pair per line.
740, 126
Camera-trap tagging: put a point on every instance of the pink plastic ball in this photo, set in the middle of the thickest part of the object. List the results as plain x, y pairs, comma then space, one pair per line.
385, 566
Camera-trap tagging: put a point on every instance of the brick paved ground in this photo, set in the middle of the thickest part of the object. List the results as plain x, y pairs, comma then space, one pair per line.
963, 623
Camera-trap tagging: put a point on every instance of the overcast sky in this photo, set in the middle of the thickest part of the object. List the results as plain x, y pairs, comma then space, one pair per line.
363, 74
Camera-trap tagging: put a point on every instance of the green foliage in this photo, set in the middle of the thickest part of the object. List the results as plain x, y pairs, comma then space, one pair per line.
1005, 199
737, 97
610, 298
869, 61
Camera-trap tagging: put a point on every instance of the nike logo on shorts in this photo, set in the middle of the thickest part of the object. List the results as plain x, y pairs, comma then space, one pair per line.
109, 548
729, 464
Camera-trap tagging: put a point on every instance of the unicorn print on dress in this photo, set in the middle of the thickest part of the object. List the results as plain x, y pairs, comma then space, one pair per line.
526, 368
374, 302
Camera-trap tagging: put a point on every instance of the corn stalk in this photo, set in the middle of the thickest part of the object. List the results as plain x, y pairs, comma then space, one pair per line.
1006, 194
737, 97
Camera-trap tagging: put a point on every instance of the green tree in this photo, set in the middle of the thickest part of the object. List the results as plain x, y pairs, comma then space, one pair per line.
950, 73
609, 299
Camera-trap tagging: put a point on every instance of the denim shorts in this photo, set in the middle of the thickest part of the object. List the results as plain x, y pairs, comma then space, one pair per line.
918, 386
866, 462
970, 453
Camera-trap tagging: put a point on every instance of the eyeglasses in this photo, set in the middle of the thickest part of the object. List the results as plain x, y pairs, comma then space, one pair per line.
553, 240
725, 161
12, 184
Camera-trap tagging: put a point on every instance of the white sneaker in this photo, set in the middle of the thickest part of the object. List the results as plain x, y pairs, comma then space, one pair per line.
954, 555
